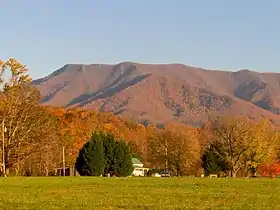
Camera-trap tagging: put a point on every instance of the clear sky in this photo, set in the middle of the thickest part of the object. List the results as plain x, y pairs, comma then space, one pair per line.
216, 34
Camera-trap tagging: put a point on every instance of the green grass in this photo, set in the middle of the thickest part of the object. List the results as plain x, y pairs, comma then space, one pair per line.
138, 193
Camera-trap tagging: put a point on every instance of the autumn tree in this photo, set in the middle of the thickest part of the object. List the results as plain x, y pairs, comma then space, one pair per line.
244, 143
270, 169
24, 123
263, 147
77, 125
19, 73
175, 148
48, 155
158, 148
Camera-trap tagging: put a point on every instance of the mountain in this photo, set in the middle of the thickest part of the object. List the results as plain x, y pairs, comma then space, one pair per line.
163, 93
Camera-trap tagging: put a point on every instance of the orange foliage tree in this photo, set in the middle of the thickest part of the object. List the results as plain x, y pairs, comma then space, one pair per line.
271, 169
176, 147
77, 125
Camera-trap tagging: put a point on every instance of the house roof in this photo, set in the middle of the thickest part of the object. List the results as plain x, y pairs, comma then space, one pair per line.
136, 161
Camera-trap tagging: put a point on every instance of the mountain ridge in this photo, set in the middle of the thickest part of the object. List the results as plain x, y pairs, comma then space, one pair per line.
163, 92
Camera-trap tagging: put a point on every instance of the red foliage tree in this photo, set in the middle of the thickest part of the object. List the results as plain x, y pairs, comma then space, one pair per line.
270, 169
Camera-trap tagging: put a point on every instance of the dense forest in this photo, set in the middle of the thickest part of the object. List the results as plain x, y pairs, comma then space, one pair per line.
32, 136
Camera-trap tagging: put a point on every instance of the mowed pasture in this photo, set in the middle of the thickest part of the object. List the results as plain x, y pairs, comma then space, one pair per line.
138, 193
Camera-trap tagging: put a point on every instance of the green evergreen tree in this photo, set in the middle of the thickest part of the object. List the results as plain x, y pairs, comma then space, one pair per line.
104, 154
124, 164
117, 156
84, 162
90, 161
213, 161
97, 155
109, 144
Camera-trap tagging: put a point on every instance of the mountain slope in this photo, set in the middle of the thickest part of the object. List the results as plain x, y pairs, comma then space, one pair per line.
163, 93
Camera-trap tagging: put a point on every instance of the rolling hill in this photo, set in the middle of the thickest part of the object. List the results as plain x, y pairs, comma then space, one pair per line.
163, 93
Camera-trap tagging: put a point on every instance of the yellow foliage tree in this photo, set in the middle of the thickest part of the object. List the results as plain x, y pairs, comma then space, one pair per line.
175, 148
24, 123
244, 143
263, 146
19, 73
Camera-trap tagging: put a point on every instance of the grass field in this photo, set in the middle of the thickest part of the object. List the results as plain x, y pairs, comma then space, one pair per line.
138, 193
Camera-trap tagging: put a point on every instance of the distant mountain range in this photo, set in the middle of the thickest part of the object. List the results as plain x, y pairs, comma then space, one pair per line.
163, 93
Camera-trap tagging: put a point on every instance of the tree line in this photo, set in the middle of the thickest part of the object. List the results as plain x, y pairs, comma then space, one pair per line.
33, 136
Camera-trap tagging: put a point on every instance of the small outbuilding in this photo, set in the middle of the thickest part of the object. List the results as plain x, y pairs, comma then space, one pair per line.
138, 168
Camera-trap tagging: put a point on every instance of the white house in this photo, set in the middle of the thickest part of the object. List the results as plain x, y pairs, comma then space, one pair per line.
139, 170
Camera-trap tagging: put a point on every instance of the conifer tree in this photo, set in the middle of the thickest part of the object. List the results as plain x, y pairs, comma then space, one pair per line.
84, 160
90, 161
104, 154
124, 163
109, 145
213, 161
97, 155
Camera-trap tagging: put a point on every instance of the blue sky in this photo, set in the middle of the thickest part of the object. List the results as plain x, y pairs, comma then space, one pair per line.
216, 34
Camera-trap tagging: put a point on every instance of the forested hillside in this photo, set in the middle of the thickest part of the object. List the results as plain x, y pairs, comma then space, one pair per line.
163, 93
33, 134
